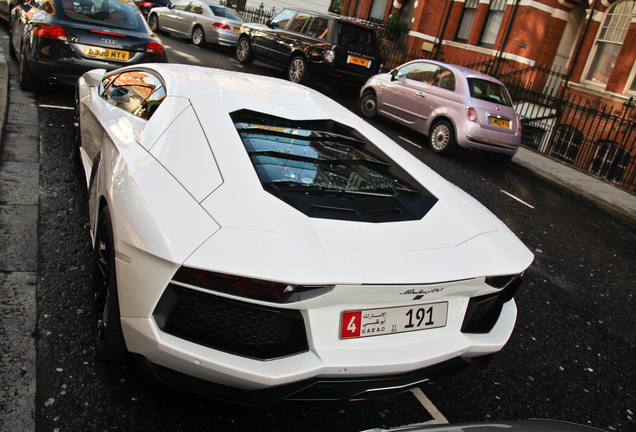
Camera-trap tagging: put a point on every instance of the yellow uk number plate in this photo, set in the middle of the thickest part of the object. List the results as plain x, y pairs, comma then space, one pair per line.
499, 122
106, 53
358, 61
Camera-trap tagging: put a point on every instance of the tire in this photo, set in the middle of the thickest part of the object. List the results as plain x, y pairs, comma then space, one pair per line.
244, 52
298, 72
153, 22
106, 321
77, 136
441, 137
198, 37
27, 81
368, 104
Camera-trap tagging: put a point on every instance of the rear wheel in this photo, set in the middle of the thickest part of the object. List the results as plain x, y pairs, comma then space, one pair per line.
198, 36
298, 71
27, 81
244, 51
153, 22
106, 320
442, 137
368, 104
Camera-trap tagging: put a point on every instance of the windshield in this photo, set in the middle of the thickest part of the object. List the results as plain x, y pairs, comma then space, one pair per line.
326, 160
489, 91
119, 14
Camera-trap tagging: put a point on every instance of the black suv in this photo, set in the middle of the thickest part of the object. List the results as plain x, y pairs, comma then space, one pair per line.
312, 44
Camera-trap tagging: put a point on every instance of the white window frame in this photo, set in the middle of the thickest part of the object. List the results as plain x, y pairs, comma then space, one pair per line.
592, 57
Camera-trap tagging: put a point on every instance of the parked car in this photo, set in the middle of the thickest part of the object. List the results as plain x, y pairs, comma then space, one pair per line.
452, 105
311, 44
198, 20
256, 246
56, 41
145, 5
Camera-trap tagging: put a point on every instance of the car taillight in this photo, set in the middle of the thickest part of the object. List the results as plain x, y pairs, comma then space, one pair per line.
155, 48
329, 56
471, 114
145, 4
255, 289
222, 26
49, 32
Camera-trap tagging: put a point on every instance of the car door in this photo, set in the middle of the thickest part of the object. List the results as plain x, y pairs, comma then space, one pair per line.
170, 20
266, 43
187, 17
403, 96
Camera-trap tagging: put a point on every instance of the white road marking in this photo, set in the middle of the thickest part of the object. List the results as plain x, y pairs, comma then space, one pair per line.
518, 199
57, 107
438, 417
410, 142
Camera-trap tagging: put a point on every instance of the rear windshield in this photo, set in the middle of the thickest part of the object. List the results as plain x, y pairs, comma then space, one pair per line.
117, 14
357, 38
321, 164
488, 91
225, 13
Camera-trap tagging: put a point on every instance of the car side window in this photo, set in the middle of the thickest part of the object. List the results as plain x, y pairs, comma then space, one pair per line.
300, 22
420, 71
318, 28
444, 78
282, 19
181, 6
138, 92
196, 9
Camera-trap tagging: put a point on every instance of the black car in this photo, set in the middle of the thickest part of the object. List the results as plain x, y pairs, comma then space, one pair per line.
311, 44
145, 5
56, 41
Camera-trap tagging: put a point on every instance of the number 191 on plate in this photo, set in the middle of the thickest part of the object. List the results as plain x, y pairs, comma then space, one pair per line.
374, 322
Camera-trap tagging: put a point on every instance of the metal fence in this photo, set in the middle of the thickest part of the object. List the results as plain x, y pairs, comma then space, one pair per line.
250, 14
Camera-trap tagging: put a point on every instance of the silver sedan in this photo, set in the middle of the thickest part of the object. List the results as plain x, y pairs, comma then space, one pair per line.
198, 20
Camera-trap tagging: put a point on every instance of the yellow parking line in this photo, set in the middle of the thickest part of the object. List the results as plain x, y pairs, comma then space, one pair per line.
438, 417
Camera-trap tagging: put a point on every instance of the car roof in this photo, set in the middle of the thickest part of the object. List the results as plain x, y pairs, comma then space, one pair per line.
467, 72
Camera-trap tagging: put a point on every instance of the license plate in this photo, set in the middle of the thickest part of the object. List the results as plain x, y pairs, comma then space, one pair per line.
358, 61
499, 122
375, 322
106, 53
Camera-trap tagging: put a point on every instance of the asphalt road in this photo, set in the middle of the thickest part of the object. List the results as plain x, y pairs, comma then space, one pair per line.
572, 356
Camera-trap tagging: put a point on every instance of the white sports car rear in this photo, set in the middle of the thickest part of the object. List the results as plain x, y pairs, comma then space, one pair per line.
256, 241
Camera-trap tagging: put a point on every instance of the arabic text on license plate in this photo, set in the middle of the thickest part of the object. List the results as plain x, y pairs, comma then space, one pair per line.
499, 122
374, 322
107, 53
359, 61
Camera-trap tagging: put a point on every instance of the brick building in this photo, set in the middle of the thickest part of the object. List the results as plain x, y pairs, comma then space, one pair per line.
592, 42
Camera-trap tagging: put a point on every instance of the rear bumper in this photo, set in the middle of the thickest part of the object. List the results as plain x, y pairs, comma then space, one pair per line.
350, 388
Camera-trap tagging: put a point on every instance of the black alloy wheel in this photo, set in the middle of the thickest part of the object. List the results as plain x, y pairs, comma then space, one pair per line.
106, 321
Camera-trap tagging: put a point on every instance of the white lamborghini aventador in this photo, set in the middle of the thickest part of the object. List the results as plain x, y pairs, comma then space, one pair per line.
256, 241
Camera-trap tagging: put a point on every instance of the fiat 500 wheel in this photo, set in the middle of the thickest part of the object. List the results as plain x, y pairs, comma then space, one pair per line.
368, 104
442, 137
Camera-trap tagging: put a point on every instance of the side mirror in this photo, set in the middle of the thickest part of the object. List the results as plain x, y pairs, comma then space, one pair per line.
394, 73
271, 24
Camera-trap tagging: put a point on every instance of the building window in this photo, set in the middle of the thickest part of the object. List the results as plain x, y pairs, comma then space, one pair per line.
493, 23
610, 160
609, 42
466, 23
567, 142
378, 8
